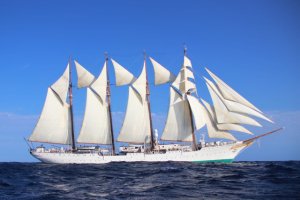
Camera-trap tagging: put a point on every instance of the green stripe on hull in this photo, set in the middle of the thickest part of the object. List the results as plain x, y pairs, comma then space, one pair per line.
215, 161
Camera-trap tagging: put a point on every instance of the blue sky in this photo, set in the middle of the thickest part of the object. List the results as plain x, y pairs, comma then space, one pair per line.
254, 46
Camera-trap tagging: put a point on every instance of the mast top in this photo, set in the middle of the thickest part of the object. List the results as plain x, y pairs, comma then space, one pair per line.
106, 55
184, 49
145, 55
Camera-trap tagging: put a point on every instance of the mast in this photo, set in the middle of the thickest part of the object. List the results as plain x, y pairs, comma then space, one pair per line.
71, 106
194, 143
148, 102
109, 107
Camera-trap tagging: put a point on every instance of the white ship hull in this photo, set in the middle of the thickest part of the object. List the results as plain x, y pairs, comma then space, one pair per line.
217, 153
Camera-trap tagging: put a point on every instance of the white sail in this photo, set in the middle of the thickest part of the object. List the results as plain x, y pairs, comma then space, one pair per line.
53, 125
182, 82
223, 114
61, 86
85, 78
233, 127
226, 126
187, 62
140, 83
178, 125
136, 125
229, 93
213, 131
99, 86
161, 74
231, 105
96, 122
185, 79
123, 76
197, 111
240, 108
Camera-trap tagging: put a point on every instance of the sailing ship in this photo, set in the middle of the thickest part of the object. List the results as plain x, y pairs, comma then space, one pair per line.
187, 114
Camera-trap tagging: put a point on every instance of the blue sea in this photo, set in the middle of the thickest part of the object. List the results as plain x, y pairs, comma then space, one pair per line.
170, 180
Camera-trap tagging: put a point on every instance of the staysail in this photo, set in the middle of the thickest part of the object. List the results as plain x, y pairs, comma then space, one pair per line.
54, 124
212, 129
224, 126
229, 93
223, 115
233, 106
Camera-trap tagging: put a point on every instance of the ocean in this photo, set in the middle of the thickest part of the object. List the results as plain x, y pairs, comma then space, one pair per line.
169, 180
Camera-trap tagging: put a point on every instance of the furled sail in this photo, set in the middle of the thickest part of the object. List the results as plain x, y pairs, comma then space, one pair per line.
96, 122
185, 80
178, 125
161, 74
212, 129
123, 76
61, 86
53, 125
85, 78
136, 126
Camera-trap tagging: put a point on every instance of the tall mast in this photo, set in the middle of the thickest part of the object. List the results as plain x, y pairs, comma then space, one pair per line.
194, 143
148, 102
71, 106
109, 108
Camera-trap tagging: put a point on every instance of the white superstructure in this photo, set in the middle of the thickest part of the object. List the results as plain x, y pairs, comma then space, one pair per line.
187, 113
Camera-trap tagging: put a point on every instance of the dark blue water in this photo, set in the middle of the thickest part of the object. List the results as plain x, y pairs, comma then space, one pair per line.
240, 180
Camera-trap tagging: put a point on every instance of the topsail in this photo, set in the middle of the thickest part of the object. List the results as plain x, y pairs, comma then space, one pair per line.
185, 80
161, 74
85, 78
123, 77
